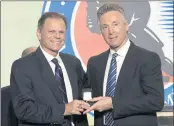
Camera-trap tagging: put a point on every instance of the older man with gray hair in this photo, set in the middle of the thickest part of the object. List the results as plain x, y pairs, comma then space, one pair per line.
126, 80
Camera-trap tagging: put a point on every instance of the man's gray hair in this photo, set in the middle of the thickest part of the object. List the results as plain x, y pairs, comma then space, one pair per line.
110, 7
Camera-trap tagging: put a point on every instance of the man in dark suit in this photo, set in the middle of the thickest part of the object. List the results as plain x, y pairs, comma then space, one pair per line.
126, 80
46, 85
8, 117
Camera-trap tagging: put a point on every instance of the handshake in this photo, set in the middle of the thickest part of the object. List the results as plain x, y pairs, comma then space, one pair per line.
79, 107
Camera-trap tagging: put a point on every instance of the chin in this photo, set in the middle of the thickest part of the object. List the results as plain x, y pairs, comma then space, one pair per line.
114, 46
55, 50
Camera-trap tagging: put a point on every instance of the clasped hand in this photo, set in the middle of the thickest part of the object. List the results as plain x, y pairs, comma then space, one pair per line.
79, 106
76, 107
101, 104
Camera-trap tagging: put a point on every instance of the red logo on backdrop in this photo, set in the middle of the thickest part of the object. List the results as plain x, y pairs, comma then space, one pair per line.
88, 44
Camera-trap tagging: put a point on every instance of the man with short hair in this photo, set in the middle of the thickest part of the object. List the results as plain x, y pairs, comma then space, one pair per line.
46, 85
126, 80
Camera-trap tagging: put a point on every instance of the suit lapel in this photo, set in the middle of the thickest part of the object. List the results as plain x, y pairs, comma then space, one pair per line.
101, 68
127, 69
71, 74
47, 75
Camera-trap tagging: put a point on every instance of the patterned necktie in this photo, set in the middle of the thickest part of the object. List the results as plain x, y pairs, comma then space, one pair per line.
110, 88
60, 79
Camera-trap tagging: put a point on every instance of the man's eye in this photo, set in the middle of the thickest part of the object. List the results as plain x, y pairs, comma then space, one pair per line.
104, 27
62, 32
115, 24
51, 31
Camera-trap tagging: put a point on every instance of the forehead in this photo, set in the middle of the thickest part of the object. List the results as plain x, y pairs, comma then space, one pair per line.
54, 23
110, 17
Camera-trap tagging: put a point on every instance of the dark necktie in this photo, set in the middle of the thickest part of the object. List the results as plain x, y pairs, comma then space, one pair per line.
60, 79
110, 88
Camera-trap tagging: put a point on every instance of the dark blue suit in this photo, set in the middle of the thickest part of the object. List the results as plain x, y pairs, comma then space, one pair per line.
35, 91
139, 91
8, 117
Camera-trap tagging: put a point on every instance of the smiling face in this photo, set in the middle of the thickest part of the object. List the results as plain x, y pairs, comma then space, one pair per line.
52, 35
114, 29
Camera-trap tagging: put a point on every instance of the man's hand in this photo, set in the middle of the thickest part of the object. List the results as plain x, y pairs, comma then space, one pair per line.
76, 107
102, 103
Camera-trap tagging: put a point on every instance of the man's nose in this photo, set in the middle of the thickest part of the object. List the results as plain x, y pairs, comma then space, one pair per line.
57, 35
110, 30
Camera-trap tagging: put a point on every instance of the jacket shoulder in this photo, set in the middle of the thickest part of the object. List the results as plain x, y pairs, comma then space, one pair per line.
99, 56
24, 62
69, 57
145, 53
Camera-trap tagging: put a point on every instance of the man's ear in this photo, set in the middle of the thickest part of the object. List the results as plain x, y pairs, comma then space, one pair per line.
127, 27
38, 34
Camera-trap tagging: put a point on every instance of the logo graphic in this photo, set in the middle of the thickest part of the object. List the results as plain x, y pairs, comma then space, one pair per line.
169, 94
167, 24
85, 40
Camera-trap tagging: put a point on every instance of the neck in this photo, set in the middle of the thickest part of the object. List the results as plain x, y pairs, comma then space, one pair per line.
49, 51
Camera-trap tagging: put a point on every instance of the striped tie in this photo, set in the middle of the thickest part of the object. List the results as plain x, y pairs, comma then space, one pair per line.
60, 79
110, 88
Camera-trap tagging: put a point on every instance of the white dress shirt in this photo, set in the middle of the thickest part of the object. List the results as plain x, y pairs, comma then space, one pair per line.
65, 74
121, 54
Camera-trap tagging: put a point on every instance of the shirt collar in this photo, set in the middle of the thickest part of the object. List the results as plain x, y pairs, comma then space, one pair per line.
48, 56
123, 50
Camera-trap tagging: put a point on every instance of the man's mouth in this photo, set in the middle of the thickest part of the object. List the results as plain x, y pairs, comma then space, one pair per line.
56, 41
110, 38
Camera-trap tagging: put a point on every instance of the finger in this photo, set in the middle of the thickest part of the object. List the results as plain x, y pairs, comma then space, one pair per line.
84, 107
97, 98
89, 109
84, 103
80, 109
77, 113
78, 103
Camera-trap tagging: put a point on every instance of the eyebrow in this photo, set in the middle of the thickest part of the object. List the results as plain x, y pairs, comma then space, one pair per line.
104, 25
115, 22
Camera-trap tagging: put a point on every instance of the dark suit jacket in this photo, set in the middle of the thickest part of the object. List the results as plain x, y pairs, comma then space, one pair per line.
35, 92
8, 117
139, 92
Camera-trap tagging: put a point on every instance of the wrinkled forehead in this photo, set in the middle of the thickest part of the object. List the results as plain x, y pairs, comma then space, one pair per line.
110, 16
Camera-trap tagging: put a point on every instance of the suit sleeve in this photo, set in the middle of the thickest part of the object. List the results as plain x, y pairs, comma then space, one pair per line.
88, 79
152, 85
81, 119
25, 105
